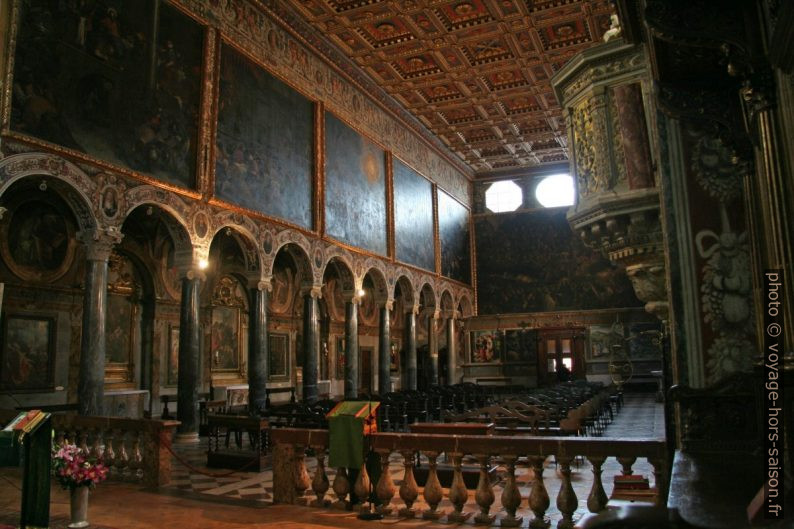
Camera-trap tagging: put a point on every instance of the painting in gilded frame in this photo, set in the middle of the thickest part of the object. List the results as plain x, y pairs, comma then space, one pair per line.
172, 364
453, 232
28, 353
265, 168
603, 339
278, 356
521, 346
340, 357
413, 217
486, 347
85, 79
225, 336
355, 188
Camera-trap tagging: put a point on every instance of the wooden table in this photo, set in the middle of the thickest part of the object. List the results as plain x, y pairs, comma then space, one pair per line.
221, 454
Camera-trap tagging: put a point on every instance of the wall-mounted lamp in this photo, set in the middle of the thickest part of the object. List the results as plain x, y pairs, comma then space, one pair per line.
360, 292
203, 264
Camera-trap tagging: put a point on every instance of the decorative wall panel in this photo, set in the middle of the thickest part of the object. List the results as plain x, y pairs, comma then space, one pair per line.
530, 262
87, 79
453, 230
413, 217
355, 188
263, 149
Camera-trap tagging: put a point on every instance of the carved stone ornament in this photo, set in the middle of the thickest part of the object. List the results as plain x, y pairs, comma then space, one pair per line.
617, 210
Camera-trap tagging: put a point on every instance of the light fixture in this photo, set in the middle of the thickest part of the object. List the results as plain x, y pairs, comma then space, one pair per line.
203, 264
555, 191
360, 293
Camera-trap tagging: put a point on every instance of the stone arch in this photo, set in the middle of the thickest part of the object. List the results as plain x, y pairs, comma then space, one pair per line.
381, 289
175, 215
447, 303
72, 184
342, 264
297, 246
429, 293
300, 257
245, 235
407, 290
465, 306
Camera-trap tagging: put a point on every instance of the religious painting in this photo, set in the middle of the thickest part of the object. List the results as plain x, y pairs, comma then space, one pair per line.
172, 362
521, 346
413, 217
225, 338
325, 362
355, 188
534, 262
278, 356
394, 356
28, 354
37, 241
453, 231
263, 149
118, 329
644, 341
86, 78
603, 338
340, 357
486, 346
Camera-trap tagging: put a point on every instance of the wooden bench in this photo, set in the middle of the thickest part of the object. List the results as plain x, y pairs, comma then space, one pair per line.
221, 453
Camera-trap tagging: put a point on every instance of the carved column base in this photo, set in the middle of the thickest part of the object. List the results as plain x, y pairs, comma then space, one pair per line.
186, 438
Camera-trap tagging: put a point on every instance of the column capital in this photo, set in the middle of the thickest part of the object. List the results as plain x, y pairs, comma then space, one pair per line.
261, 284
412, 309
388, 305
99, 242
315, 291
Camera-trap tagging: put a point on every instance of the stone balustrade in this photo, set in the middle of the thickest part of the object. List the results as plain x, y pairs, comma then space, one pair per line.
133, 449
292, 482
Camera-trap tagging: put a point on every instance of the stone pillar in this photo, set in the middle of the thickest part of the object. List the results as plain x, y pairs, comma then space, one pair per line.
311, 344
384, 350
410, 349
452, 349
91, 384
189, 377
351, 349
258, 349
432, 347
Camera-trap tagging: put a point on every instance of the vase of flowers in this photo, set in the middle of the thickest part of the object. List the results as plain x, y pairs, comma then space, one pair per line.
77, 471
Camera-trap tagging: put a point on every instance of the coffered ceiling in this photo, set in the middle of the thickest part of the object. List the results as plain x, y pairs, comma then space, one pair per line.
475, 72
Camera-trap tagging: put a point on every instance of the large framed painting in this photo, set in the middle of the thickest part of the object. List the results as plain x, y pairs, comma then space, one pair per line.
453, 232
521, 346
394, 355
119, 342
644, 341
28, 353
340, 357
355, 188
278, 356
172, 363
603, 339
486, 347
267, 169
413, 217
225, 336
105, 79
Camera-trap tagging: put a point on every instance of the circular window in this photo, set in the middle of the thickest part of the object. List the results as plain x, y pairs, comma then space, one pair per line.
503, 196
555, 191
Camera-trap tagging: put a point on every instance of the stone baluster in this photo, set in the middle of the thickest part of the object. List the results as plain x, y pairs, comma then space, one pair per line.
626, 463
385, 488
96, 446
82, 442
362, 486
539, 498
409, 490
320, 482
433, 492
659, 479
136, 461
341, 489
123, 458
566, 499
597, 500
110, 453
457, 492
511, 496
302, 481
484, 495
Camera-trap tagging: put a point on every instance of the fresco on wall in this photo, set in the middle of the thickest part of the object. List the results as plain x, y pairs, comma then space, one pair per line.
28, 354
413, 217
521, 346
85, 78
263, 150
355, 188
453, 230
533, 262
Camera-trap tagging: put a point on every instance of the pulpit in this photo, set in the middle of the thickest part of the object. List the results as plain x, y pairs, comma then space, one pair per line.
349, 422
32, 431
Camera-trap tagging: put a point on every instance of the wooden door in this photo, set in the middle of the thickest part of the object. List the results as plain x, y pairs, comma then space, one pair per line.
365, 370
560, 347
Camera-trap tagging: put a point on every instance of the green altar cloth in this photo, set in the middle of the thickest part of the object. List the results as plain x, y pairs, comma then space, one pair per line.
347, 424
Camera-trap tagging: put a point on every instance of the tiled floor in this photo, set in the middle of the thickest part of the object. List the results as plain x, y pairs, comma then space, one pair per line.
640, 416
226, 500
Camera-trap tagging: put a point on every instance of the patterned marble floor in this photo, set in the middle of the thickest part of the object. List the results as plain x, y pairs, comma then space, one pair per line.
640, 416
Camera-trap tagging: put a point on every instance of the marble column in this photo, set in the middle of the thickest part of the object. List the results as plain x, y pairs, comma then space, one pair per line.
311, 344
432, 347
258, 349
189, 377
384, 351
351, 349
452, 351
91, 383
410, 349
